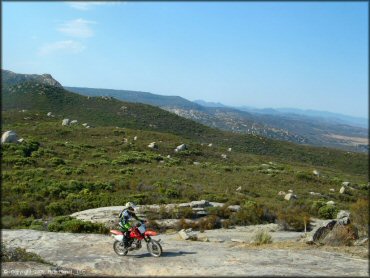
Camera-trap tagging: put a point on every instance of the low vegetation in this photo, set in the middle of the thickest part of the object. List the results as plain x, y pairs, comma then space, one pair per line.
59, 170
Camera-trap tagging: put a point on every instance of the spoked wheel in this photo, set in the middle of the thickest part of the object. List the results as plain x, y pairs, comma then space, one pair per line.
154, 248
119, 248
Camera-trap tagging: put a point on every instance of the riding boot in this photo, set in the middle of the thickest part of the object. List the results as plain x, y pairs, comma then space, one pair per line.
126, 239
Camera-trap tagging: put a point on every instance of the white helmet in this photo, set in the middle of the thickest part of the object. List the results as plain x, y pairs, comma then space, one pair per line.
130, 206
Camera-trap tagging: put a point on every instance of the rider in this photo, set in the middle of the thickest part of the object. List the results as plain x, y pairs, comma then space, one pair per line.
126, 214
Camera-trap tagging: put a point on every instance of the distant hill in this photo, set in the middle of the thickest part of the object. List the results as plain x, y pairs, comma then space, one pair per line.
326, 116
102, 111
136, 96
208, 104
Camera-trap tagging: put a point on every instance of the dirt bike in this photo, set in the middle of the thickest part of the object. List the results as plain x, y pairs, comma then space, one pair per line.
137, 234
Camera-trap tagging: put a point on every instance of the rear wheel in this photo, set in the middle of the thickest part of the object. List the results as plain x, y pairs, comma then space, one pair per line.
118, 247
154, 248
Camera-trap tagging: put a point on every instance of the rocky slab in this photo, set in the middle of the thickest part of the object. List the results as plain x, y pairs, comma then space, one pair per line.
93, 254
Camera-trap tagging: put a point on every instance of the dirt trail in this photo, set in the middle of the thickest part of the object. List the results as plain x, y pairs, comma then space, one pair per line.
93, 254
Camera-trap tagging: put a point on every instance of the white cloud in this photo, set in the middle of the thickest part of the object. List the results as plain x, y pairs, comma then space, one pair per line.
84, 6
79, 28
69, 46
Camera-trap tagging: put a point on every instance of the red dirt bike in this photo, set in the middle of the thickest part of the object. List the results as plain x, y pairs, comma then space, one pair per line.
137, 234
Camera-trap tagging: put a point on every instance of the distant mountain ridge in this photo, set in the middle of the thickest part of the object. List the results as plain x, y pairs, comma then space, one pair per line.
324, 115
270, 123
12, 78
137, 96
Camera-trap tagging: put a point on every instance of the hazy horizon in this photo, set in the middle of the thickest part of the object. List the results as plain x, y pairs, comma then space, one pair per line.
303, 55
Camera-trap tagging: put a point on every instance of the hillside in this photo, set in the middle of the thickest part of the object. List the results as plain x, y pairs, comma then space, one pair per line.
97, 111
307, 129
107, 111
59, 170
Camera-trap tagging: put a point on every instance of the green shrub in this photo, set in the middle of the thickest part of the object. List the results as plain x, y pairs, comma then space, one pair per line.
305, 176
72, 225
55, 161
328, 212
18, 255
262, 237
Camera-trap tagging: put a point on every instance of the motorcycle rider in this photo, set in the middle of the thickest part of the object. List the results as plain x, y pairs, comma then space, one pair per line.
126, 214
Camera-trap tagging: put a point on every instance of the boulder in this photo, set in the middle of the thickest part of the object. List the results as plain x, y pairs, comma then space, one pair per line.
49, 114
199, 204
315, 194
330, 203
332, 190
346, 183
229, 149
343, 189
20, 140
321, 231
234, 208
9, 136
85, 124
153, 145
210, 145
73, 122
224, 156
290, 196
135, 138
239, 189
187, 234
66, 121
290, 191
216, 204
181, 147
340, 235
343, 217
316, 173
196, 163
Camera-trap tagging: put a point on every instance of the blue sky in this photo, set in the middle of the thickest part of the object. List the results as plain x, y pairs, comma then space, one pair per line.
308, 55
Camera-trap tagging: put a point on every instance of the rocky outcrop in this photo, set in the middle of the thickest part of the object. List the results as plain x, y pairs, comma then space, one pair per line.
93, 255
12, 78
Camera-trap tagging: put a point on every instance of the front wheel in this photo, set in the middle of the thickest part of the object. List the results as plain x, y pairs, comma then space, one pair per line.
154, 248
119, 248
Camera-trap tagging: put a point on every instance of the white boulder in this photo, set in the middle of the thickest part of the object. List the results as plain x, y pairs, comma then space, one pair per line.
153, 145
330, 203
224, 156
181, 147
66, 121
73, 122
9, 136
316, 173
290, 196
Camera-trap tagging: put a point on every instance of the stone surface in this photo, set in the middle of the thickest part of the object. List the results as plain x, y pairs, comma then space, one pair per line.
234, 208
92, 254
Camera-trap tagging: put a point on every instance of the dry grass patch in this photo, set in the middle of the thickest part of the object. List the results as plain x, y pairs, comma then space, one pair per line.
354, 251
